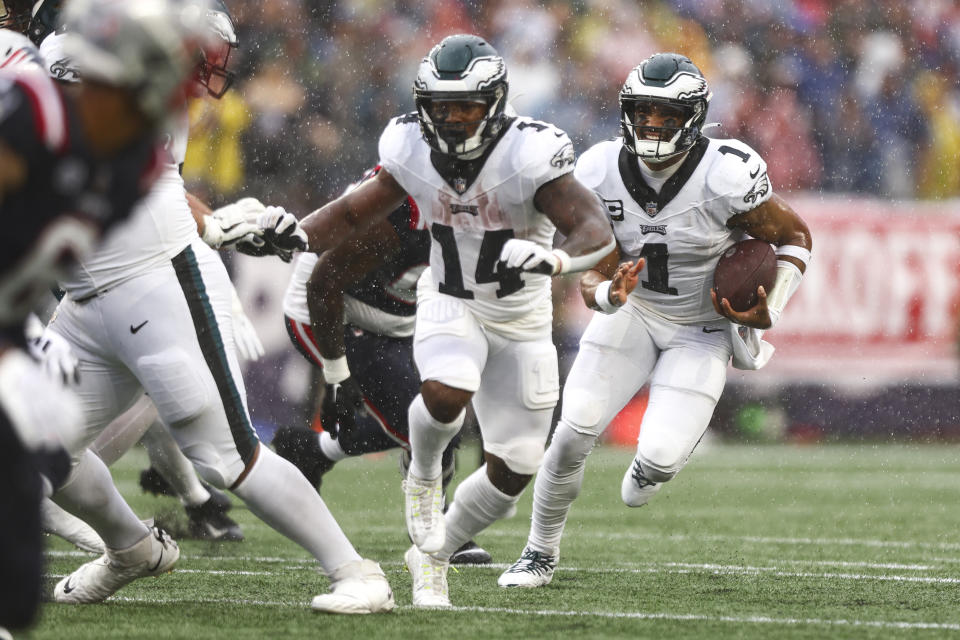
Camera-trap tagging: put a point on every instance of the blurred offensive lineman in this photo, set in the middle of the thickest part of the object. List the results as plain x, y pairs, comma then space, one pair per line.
678, 201
151, 311
205, 506
71, 165
492, 189
351, 312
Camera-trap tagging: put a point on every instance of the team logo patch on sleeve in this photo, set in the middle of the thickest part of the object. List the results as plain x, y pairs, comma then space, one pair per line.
564, 157
758, 190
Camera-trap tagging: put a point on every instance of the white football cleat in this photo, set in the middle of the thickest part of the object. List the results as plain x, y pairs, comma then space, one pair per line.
636, 489
356, 588
533, 569
429, 577
101, 578
423, 510
69, 527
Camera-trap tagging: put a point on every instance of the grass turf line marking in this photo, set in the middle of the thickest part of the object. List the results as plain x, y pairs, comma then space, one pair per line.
307, 563
636, 615
676, 568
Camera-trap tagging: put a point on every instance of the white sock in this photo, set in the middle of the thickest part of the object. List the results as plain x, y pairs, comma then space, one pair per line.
125, 431
476, 505
331, 448
166, 457
277, 493
89, 494
557, 486
428, 438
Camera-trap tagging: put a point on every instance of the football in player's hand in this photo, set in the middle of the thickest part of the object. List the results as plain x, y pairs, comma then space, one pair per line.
741, 269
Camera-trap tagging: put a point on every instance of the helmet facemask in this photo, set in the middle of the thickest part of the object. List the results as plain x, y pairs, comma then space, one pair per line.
15, 15
682, 122
455, 138
212, 72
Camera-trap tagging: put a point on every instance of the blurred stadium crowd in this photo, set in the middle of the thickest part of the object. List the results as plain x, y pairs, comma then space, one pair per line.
837, 95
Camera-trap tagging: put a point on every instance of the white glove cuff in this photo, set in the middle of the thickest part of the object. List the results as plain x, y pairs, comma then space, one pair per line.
212, 232
786, 284
601, 296
573, 264
335, 371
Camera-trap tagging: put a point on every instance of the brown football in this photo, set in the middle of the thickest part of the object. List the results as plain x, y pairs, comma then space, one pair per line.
741, 269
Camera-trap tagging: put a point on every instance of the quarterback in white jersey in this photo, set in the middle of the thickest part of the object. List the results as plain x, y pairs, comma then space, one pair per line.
492, 188
677, 201
152, 312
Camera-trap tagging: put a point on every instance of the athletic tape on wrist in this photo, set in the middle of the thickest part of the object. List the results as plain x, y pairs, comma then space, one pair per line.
335, 371
784, 286
602, 297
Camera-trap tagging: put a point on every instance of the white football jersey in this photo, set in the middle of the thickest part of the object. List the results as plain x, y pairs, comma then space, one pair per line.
472, 214
681, 232
160, 227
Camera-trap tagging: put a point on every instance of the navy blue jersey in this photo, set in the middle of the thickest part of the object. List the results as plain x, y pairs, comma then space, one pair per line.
58, 197
393, 287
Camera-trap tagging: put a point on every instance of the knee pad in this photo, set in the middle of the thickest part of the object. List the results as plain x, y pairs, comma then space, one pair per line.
582, 408
172, 381
211, 466
637, 487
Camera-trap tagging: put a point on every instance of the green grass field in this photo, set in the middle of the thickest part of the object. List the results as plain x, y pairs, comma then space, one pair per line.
838, 541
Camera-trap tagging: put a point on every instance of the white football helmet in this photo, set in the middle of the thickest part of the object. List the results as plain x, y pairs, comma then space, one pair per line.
149, 47
212, 71
58, 64
461, 68
669, 81
17, 52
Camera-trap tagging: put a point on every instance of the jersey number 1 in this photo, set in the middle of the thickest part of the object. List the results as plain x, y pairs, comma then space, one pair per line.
487, 268
657, 256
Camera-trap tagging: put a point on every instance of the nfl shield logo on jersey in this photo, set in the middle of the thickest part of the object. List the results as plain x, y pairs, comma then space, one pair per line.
651, 209
460, 184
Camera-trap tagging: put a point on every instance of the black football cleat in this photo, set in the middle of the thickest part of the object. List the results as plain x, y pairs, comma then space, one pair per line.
302, 448
153, 482
470, 553
210, 522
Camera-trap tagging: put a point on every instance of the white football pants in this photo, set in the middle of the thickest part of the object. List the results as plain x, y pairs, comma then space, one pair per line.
168, 332
686, 367
515, 382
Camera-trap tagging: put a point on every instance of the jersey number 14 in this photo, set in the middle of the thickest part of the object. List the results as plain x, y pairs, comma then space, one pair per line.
488, 269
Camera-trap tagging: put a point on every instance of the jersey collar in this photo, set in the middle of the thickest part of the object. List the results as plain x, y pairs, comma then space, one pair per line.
648, 199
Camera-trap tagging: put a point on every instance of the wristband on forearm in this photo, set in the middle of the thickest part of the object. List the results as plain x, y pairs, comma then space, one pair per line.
336, 370
601, 296
573, 264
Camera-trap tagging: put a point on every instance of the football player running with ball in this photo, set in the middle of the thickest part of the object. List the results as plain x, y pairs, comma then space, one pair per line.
492, 188
677, 201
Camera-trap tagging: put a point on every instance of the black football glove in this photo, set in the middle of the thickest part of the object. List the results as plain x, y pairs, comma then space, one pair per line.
282, 235
338, 411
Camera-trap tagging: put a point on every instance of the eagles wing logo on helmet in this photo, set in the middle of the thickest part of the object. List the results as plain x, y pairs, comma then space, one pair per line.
461, 69
666, 81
